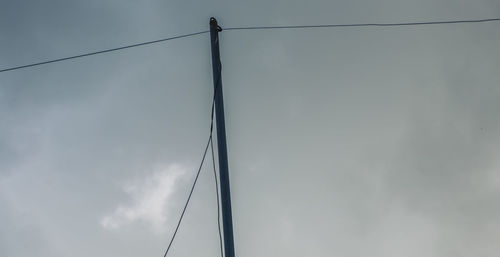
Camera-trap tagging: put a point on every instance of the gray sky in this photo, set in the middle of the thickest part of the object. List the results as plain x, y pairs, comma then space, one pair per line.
342, 142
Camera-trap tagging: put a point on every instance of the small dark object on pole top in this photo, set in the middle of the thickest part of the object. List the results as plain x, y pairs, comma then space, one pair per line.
213, 22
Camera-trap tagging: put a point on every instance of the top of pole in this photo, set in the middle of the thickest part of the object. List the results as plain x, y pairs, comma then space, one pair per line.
213, 23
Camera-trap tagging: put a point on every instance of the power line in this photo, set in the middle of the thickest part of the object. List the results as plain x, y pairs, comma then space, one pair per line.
213, 159
210, 143
102, 51
254, 28
362, 25
189, 197
218, 201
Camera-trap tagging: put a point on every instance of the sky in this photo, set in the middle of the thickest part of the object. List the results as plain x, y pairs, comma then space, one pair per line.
342, 142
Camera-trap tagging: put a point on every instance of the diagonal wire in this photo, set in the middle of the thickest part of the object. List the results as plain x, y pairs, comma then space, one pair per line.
213, 155
102, 51
209, 143
362, 24
218, 201
189, 197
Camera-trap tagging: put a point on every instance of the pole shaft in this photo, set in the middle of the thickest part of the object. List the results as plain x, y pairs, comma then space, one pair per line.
227, 219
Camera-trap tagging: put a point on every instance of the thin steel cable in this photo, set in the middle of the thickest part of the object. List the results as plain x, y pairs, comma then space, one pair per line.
254, 28
210, 142
362, 25
213, 156
189, 197
213, 99
218, 201
102, 51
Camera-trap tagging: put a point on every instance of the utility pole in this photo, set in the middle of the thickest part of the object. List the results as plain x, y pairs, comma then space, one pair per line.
227, 217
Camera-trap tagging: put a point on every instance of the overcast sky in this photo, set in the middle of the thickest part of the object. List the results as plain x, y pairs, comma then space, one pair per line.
343, 142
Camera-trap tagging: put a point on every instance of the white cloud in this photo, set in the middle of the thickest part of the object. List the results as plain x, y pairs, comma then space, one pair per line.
150, 197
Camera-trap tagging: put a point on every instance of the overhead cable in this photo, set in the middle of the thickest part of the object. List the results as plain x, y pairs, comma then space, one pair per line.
210, 143
189, 197
255, 28
218, 201
102, 51
362, 25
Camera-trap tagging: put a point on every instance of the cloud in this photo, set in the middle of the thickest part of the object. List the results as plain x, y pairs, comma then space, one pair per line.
150, 197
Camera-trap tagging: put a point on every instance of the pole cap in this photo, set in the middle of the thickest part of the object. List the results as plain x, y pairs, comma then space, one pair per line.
213, 22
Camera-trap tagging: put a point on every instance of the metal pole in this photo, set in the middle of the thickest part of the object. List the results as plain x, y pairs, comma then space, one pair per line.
227, 219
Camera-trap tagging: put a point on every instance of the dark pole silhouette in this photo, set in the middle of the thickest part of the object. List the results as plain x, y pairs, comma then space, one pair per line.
227, 219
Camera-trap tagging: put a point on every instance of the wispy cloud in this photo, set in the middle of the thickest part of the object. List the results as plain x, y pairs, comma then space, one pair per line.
149, 200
